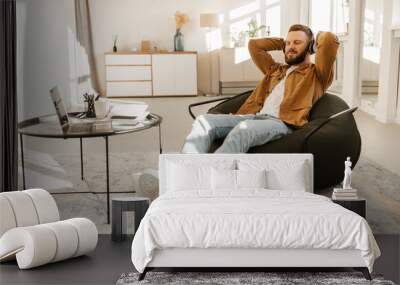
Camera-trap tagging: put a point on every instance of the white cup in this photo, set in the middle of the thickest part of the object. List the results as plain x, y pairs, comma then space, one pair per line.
101, 109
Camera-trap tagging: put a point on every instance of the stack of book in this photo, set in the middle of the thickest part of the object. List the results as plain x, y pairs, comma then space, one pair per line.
344, 194
123, 109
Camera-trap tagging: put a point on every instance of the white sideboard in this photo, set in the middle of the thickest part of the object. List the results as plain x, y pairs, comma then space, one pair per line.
151, 74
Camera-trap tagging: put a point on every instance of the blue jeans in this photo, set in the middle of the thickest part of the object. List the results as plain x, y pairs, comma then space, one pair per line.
241, 131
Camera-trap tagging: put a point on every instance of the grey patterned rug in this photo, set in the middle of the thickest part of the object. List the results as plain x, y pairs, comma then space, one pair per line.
230, 278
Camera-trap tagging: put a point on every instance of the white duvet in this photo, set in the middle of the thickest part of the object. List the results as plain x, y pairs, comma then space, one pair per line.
250, 219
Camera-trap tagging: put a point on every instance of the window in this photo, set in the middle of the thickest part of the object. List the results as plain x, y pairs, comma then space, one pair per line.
273, 17
263, 12
330, 15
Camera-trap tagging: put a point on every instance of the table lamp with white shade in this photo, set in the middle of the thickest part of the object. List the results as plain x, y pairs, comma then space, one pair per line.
209, 21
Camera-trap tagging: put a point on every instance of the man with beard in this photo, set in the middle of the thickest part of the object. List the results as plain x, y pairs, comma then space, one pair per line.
281, 101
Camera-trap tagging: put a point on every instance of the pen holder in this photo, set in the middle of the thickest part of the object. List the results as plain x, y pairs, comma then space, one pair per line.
90, 111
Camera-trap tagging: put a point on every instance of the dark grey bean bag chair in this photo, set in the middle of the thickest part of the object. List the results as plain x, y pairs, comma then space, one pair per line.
331, 135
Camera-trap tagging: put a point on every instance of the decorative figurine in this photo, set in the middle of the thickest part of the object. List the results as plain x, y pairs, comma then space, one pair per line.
347, 174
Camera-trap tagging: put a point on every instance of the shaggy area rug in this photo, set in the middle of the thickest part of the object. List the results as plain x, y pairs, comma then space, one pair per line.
243, 278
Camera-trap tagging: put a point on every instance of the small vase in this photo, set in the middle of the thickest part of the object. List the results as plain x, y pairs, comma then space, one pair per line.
178, 40
115, 48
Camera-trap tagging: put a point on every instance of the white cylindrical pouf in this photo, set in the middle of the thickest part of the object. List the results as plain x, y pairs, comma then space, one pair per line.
67, 240
87, 234
7, 218
45, 205
51, 240
23, 208
34, 246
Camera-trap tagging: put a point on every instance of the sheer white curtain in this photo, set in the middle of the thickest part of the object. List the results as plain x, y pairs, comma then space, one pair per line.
85, 38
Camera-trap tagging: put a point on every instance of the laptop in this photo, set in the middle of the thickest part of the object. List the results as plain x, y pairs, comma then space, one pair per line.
66, 124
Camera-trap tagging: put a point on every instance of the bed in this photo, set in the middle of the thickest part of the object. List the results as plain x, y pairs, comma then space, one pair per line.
247, 210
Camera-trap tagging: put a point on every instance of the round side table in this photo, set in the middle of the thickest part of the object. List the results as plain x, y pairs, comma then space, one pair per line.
48, 126
120, 205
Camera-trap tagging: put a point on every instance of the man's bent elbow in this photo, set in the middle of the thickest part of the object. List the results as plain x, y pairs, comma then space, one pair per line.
251, 45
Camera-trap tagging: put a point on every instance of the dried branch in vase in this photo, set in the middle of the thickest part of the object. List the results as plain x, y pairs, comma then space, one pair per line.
180, 19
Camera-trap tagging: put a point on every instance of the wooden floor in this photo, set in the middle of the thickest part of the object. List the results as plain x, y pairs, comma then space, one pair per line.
111, 259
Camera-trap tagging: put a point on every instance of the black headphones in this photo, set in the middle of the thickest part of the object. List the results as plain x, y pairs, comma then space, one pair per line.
311, 48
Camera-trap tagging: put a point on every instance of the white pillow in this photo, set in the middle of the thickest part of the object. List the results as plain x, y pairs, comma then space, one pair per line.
251, 178
183, 177
281, 174
292, 179
225, 179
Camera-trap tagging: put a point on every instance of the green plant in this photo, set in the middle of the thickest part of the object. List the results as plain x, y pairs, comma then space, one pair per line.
253, 28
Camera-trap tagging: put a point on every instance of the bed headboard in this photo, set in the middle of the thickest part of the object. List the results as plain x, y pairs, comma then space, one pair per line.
238, 161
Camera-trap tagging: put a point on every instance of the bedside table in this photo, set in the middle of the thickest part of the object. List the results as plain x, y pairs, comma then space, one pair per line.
126, 204
357, 206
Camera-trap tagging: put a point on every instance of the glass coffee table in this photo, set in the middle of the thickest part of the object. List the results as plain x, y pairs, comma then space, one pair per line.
48, 126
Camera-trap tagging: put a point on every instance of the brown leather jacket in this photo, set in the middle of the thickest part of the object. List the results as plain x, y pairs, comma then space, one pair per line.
303, 87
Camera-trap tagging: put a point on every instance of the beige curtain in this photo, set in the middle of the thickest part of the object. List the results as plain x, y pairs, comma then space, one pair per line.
84, 35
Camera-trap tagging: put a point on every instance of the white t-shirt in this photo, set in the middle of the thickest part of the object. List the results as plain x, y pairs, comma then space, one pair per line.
273, 102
